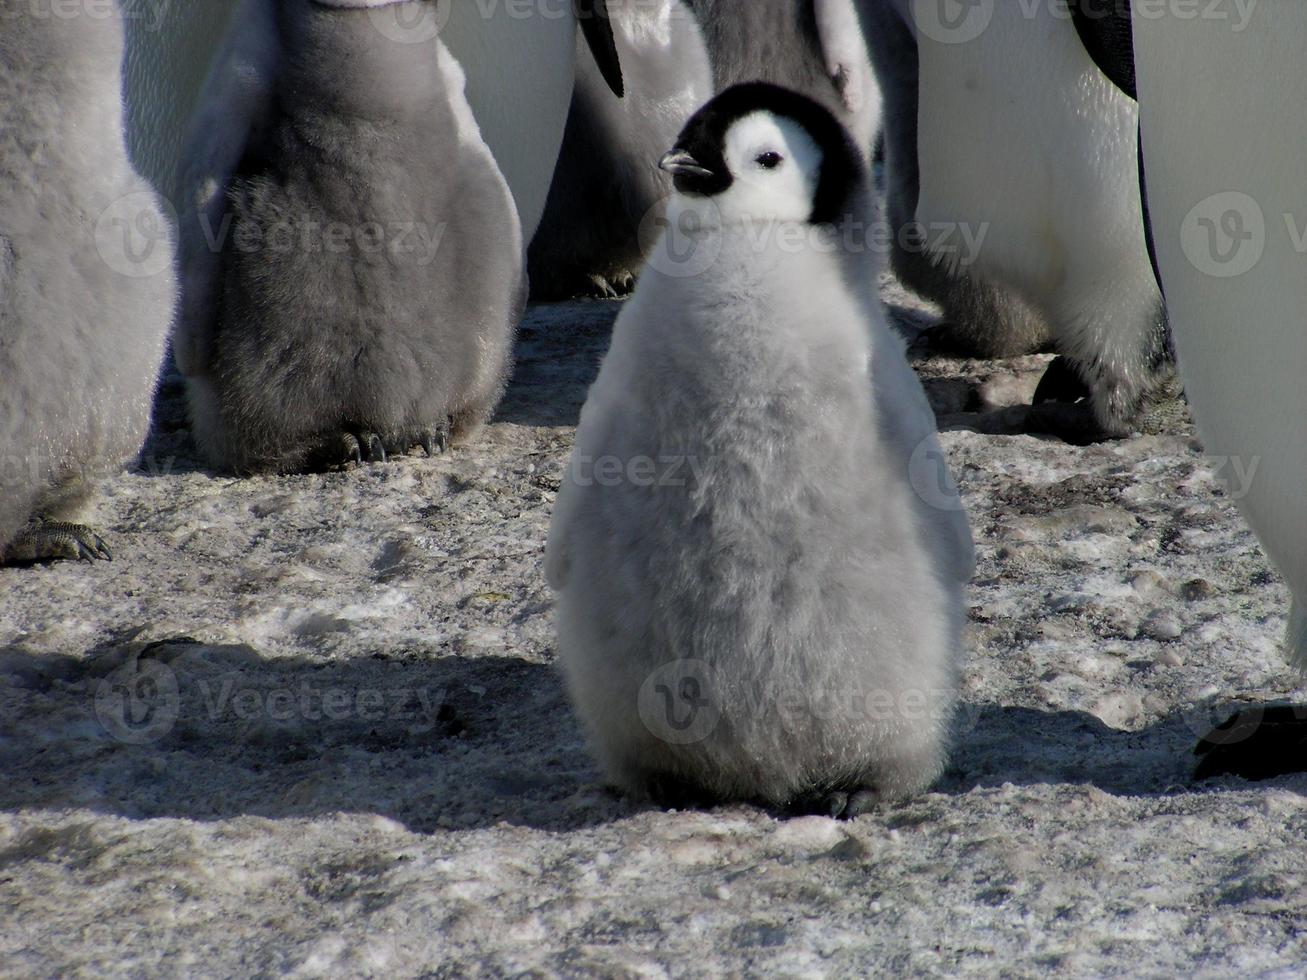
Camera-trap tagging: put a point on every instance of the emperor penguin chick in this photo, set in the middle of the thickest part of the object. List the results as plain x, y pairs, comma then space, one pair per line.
353, 278
86, 280
758, 555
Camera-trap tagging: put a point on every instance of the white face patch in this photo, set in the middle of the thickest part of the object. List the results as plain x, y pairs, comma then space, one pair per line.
776, 166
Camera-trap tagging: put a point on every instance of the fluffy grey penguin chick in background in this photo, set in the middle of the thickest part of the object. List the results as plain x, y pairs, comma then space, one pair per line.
979, 317
813, 46
352, 261
1048, 171
86, 279
608, 188
758, 553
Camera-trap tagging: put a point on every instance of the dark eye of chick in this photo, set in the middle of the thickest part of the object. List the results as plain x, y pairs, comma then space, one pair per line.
769, 160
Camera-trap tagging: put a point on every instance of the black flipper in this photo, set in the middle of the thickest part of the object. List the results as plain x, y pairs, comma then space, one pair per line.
1106, 32
598, 30
1149, 240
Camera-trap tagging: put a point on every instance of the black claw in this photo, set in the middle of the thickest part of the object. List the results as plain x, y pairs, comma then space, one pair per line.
91, 547
863, 801
352, 448
362, 447
836, 804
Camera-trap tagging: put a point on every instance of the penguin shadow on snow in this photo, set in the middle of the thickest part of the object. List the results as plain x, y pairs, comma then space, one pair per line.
1008, 744
211, 732
180, 729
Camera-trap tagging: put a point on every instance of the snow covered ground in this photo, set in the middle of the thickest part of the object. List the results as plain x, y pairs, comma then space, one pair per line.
309, 725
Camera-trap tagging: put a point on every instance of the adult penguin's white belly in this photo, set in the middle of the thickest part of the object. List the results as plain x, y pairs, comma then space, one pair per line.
170, 47
520, 72
1024, 142
1225, 144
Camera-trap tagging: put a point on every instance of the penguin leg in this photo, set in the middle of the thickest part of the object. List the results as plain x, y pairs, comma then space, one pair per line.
56, 541
1255, 743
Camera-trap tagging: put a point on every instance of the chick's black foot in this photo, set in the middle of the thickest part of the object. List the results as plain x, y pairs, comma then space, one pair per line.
56, 541
1256, 743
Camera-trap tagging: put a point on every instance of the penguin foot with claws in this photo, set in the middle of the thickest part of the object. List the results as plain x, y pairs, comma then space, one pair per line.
610, 287
56, 541
1255, 743
362, 447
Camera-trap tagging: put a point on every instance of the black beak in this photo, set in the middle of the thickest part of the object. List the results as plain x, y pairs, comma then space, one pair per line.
679, 163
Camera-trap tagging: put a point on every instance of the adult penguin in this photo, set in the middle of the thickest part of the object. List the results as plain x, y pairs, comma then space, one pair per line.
1222, 143
1025, 173
519, 61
